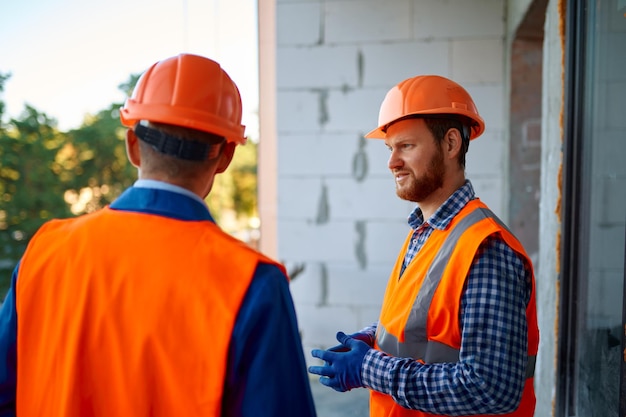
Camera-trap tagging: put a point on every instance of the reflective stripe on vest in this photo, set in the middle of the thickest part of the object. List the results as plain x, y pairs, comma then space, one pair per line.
417, 345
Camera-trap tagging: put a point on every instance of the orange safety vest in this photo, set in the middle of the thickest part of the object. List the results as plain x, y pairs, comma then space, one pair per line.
128, 314
420, 312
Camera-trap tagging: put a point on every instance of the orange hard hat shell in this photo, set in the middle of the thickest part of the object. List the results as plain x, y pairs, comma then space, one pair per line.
189, 91
426, 95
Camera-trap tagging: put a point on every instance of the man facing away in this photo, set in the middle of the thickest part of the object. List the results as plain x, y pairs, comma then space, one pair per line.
146, 307
457, 333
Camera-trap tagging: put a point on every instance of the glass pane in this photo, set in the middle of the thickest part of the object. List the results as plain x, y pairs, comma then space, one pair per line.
600, 304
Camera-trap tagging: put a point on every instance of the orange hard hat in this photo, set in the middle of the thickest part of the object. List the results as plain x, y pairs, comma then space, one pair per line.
426, 95
189, 91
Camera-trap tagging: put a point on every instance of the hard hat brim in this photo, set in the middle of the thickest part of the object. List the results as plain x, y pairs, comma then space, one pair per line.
169, 115
477, 129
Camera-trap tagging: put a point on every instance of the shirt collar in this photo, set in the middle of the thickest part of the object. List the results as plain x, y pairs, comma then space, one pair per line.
446, 212
161, 199
161, 185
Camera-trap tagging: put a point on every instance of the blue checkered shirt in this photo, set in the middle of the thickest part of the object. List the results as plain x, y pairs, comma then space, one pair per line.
490, 375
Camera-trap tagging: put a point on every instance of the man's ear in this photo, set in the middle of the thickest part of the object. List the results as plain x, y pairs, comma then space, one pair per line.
453, 143
228, 151
132, 148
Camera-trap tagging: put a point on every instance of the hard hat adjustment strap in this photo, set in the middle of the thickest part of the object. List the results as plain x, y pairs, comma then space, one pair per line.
167, 144
466, 133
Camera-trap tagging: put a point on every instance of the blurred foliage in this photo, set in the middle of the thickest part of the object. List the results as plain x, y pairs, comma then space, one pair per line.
31, 180
46, 174
235, 190
95, 157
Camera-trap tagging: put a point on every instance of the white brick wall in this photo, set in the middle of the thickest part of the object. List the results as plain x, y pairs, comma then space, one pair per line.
300, 154
367, 21
387, 64
352, 110
299, 24
458, 19
467, 65
317, 67
338, 214
297, 111
363, 200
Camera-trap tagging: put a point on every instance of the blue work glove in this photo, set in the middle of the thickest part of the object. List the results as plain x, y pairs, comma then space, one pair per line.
342, 370
363, 337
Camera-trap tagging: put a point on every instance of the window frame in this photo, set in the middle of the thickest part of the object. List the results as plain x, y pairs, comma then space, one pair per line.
572, 212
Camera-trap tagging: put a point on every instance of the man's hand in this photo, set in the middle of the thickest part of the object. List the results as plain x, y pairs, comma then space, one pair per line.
364, 337
342, 370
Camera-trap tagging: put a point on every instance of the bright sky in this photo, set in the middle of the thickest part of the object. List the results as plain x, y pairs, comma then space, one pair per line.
67, 57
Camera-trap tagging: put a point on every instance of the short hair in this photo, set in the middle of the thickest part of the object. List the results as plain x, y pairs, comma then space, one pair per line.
171, 166
439, 126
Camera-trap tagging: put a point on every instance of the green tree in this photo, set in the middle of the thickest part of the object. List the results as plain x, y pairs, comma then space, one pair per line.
233, 200
95, 157
30, 192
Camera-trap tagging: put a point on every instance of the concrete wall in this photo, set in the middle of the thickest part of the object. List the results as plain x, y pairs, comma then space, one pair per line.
549, 220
